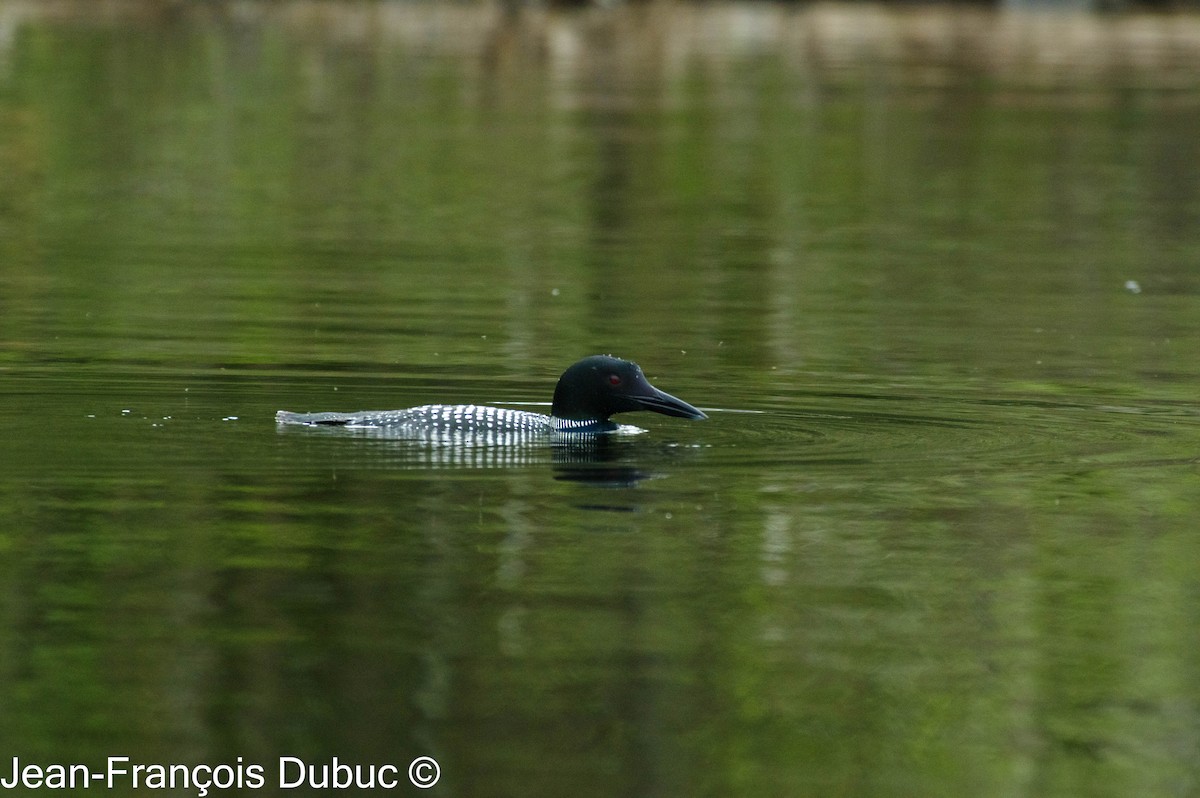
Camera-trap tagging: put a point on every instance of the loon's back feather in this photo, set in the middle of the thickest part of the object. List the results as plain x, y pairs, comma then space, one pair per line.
441, 419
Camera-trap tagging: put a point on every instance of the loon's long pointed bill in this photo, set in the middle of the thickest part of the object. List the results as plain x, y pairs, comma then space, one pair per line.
662, 402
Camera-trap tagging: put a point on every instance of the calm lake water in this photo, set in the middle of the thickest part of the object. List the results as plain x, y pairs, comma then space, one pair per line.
934, 274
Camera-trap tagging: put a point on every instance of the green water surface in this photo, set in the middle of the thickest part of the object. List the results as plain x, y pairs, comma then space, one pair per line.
934, 275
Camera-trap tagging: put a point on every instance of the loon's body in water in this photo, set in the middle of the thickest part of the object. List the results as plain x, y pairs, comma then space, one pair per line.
587, 394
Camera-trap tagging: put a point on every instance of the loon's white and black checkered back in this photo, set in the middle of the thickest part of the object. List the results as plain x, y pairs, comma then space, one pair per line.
451, 421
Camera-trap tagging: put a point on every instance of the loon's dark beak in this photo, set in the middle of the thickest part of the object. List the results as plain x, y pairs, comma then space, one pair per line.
661, 402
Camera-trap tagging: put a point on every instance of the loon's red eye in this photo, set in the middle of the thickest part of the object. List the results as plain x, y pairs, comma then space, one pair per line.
614, 379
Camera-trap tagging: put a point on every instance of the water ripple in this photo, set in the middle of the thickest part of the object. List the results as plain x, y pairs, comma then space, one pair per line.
957, 432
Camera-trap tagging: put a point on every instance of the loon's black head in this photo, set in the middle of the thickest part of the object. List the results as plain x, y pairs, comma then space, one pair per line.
598, 386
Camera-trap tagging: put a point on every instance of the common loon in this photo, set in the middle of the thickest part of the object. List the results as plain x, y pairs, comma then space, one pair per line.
587, 394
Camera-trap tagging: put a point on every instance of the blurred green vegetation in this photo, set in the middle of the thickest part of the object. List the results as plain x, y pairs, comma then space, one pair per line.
240, 191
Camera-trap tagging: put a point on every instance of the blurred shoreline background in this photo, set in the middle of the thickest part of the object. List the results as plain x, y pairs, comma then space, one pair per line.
1034, 39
